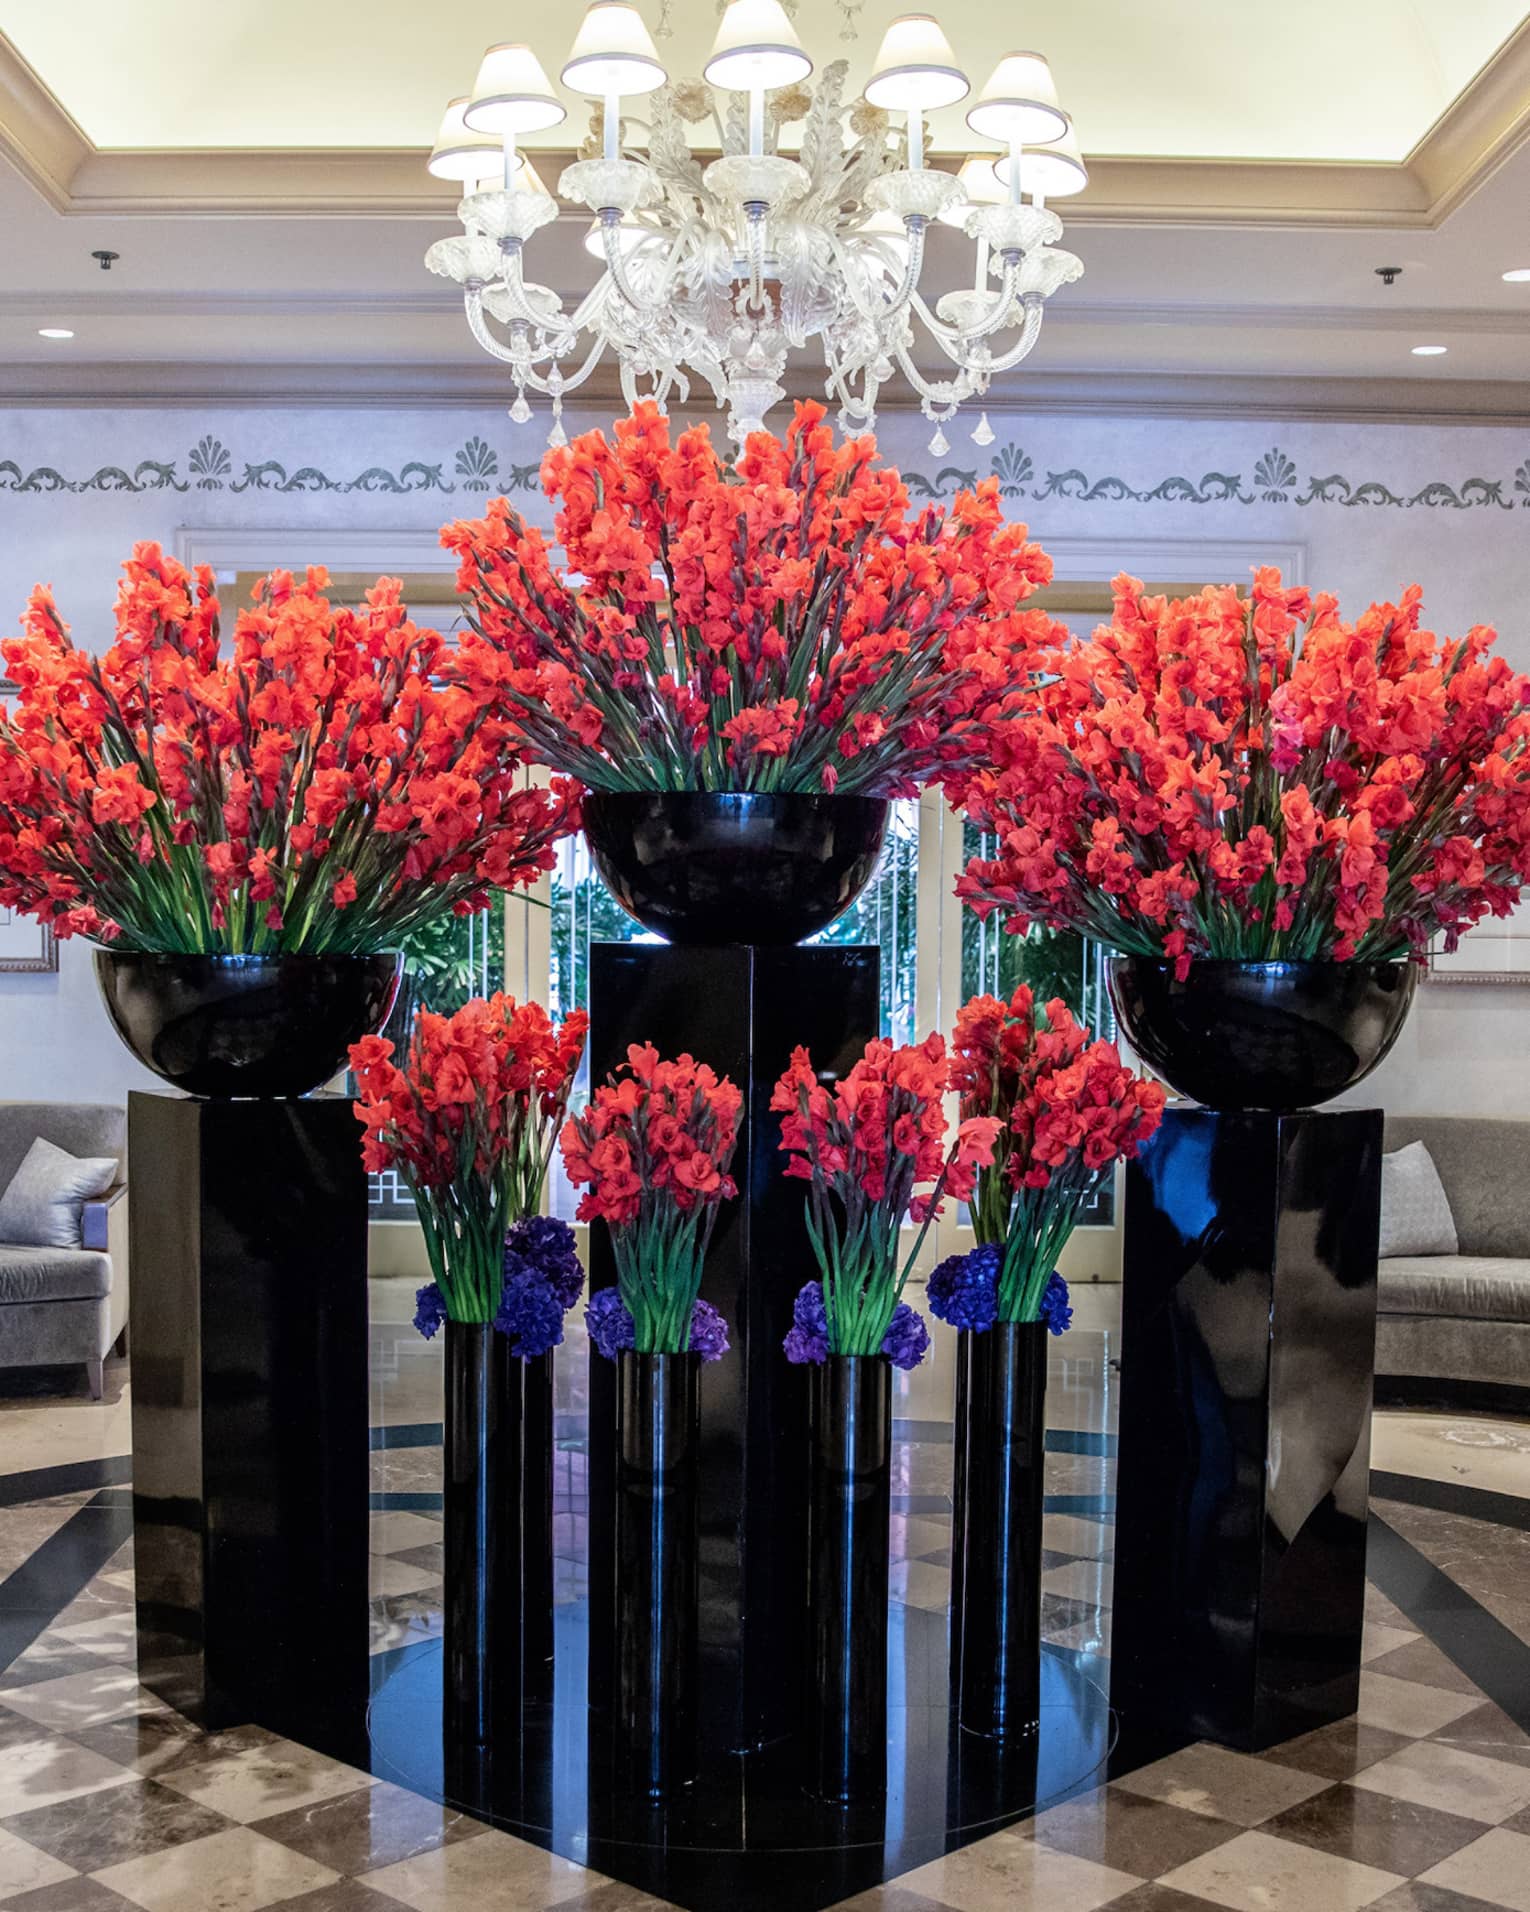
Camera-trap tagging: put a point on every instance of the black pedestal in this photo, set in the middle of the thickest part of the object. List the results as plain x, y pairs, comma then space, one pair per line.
249, 1319
741, 1010
1248, 1345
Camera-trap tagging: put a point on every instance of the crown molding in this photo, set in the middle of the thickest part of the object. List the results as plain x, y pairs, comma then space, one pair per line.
471, 387
1484, 127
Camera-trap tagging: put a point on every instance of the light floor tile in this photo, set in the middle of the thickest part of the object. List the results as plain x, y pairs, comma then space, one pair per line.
1381, 1639
23, 1868
1403, 1706
1224, 1785
393, 1532
1431, 1774
259, 1781
233, 1871
920, 1583
490, 1873
1078, 1580
82, 1699
1256, 1873
1008, 1873
113, 1635
397, 1576
1072, 1534
43, 1771
1495, 1868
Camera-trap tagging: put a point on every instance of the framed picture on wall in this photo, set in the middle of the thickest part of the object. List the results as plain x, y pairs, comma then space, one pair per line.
26, 948
1496, 951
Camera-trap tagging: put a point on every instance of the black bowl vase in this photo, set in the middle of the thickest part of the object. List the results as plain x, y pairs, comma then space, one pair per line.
711, 867
1277, 1036
267, 1026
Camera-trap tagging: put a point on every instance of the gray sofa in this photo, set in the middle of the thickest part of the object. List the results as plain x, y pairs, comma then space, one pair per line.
1464, 1317
60, 1306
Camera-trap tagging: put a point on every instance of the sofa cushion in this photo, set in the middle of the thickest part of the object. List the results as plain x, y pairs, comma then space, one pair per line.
1415, 1216
42, 1203
50, 1274
1480, 1287
1484, 1163
81, 1128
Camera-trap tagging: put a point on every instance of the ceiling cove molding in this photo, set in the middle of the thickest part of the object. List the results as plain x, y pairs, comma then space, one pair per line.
133, 385
1484, 127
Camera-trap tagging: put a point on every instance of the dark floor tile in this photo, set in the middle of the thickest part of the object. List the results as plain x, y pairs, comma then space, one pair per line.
16, 1731
72, 1895
1374, 1829
122, 1822
1412, 1898
891, 1898
616, 1897
1338, 1751
1058, 1613
430, 1558
1490, 1731
1423, 1661
372, 1827
1129, 1832
345, 1895
164, 1742
1161, 1898
30, 1668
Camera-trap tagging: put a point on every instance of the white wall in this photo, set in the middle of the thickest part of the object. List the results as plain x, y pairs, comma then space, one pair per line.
1372, 507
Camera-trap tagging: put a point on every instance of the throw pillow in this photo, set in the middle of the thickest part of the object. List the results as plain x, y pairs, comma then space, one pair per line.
41, 1206
1415, 1211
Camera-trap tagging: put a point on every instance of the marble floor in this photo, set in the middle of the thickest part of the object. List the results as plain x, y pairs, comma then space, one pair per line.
110, 1801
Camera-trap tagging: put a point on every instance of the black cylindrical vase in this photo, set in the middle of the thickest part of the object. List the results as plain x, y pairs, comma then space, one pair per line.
658, 1441
849, 1515
498, 1532
996, 1528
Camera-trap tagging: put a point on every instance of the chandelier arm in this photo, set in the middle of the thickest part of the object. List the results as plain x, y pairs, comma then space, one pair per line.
478, 325
1030, 331
572, 380
951, 392
850, 267
513, 280
648, 310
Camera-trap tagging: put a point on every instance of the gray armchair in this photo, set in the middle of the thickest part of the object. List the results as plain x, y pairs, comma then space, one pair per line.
66, 1305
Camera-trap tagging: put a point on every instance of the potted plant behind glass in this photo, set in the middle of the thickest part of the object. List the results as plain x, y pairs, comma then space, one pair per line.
1068, 1111
469, 1121
743, 665
249, 831
652, 1151
872, 1151
1269, 823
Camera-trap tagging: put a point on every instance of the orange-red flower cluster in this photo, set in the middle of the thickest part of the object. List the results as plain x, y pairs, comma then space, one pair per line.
1064, 1101
880, 1131
469, 1121
328, 785
1205, 778
656, 1135
786, 625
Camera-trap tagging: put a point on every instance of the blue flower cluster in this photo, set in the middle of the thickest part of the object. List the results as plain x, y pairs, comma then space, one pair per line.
611, 1328
543, 1280
905, 1344
964, 1292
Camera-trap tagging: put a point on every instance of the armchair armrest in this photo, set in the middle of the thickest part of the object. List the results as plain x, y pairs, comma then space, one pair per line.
100, 1220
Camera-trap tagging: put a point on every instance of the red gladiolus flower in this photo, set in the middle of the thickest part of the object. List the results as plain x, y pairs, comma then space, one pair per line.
1209, 778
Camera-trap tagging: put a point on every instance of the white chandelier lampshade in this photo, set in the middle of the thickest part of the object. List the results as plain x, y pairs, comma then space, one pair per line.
512, 94
1048, 172
1019, 105
756, 49
915, 70
459, 154
613, 53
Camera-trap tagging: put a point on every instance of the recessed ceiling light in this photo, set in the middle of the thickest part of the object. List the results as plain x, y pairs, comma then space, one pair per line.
54, 332
1519, 276
1430, 351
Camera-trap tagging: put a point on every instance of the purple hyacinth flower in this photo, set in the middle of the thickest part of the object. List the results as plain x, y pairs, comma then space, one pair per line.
1055, 1310
429, 1309
809, 1337
548, 1245
529, 1312
964, 1289
609, 1323
709, 1332
907, 1340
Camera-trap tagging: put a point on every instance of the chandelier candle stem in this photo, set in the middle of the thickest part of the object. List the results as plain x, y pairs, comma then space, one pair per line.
612, 121
756, 121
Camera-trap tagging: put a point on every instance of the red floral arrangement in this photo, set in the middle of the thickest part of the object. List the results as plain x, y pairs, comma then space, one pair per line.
785, 625
469, 1120
1201, 779
1067, 1110
330, 785
653, 1150
872, 1150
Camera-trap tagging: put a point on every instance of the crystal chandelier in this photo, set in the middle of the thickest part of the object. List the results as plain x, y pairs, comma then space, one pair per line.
718, 271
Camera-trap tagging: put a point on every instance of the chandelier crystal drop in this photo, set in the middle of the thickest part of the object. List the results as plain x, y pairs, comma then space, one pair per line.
719, 269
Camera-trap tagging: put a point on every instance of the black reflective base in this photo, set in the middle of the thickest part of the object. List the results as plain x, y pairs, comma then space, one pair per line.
703, 1848
1248, 1341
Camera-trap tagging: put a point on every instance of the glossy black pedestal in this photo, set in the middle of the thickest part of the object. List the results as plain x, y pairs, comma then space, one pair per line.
1248, 1346
743, 1011
248, 1268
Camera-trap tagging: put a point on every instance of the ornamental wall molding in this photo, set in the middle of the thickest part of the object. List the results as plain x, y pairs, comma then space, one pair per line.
1485, 126
211, 464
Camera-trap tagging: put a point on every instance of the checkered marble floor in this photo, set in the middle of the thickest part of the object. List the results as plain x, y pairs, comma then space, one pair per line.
1421, 1804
